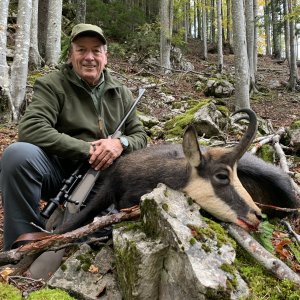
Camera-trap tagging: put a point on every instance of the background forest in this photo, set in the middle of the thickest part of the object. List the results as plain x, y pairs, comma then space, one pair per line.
235, 53
33, 33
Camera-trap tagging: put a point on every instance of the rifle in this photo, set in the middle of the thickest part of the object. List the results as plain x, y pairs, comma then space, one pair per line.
77, 187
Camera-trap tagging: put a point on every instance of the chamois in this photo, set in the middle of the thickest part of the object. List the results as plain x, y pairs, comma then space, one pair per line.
209, 176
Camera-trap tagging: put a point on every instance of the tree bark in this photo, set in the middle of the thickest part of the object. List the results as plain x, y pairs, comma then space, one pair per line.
53, 43
220, 39
80, 11
267, 27
242, 99
249, 13
35, 60
204, 31
166, 21
276, 30
19, 68
293, 64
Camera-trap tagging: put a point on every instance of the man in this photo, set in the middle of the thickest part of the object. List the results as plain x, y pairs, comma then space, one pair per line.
72, 114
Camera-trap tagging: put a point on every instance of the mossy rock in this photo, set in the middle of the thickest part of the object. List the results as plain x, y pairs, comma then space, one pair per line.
266, 152
176, 126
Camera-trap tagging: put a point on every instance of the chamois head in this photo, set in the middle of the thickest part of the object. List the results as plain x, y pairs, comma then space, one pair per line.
214, 183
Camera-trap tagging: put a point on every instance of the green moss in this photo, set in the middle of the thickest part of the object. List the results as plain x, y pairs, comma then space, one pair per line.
49, 294
165, 207
150, 213
262, 284
220, 232
127, 261
129, 225
176, 126
193, 241
9, 292
295, 124
223, 109
33, 76
176, 104
266, 152
86, 260
206, 248
190, 201
63, 267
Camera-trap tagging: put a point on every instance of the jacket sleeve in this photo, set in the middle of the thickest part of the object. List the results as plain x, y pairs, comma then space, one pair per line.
38, 124
133, 129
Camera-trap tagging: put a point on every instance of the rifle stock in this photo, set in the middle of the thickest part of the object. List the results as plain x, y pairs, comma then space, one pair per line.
78, 186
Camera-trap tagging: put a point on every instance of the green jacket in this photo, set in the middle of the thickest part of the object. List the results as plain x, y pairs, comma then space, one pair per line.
62, 117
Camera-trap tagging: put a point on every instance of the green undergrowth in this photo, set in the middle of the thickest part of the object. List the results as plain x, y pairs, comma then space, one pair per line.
9, 292
262, 284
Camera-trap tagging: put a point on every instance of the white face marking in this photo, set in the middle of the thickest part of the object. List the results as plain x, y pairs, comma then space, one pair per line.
242, 191
202, 192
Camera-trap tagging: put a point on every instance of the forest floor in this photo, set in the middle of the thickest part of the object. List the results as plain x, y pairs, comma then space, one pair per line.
273, 101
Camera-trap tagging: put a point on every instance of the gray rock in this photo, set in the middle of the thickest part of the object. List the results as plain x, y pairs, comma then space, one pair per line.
189, 268
219, 88
98, 282
206, 120
295, 138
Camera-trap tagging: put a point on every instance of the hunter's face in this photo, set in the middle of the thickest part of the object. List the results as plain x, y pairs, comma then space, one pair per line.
88, 57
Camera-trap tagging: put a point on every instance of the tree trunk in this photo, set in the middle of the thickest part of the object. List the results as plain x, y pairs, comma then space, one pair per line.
53, 32
276, 30
286, 31
267, 27
42, 26
204, 31
19, 68
249, 13
212, 36
220, 40
35, 59
5, 97
240, 56
293, 64
80, 11
255, 9
166, 21
228, 13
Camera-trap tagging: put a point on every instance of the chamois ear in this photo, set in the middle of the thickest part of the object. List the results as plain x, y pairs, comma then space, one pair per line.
190, 146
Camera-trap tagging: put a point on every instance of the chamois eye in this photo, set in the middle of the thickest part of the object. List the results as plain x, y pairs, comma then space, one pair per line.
222, 177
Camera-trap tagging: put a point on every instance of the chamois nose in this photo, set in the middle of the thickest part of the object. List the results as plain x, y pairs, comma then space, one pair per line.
256, 213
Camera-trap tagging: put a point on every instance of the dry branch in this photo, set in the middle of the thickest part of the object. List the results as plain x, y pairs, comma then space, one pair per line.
56, 240
261, 255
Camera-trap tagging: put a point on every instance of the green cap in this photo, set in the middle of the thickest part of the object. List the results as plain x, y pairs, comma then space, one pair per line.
81, 29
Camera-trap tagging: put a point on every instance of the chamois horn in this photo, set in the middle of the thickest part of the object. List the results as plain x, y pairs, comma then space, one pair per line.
239, 150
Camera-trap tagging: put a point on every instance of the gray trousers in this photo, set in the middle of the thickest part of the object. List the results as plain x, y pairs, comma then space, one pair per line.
27, 175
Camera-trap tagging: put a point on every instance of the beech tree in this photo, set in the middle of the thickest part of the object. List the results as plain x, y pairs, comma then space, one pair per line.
166, 21
293, 66
35, 59
249, 14
204, 30
4, 75
242, 99
220, 39
19, 68
13, 87
276, 29
53, 42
